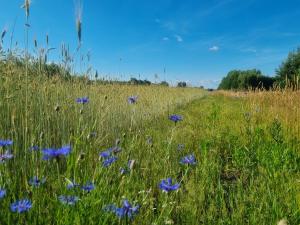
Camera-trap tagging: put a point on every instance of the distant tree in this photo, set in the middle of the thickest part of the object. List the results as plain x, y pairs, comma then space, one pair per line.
181, 84
135, 81
164, 83
290, 68
243, 80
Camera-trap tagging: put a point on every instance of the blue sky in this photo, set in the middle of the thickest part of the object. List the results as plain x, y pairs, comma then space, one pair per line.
195, 40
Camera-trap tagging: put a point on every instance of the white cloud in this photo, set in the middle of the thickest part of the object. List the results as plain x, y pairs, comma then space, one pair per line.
178, 38
214, 48
165, 39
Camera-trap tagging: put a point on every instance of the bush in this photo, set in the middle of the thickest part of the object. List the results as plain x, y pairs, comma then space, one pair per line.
181, 84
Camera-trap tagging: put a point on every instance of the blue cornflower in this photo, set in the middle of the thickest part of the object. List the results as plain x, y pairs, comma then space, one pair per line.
110, 151
5, 143
126, 211
72, 184
36, 182
2, 193
105, 154
51, 153
166, 185
108, 161
82, 100
132, 99
4, 157
21, 206
175, 118
88, 187
189, 160
68, 199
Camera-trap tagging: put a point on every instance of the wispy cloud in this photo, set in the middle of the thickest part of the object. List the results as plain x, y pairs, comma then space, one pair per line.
178, 38
165, 39
214, 48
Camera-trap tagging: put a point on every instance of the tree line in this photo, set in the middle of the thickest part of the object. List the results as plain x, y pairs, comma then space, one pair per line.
288, 73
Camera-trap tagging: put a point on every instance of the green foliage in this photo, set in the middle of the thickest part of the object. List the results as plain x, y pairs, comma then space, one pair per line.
244, 80
290, 68
135, 81
164, 83
181, 84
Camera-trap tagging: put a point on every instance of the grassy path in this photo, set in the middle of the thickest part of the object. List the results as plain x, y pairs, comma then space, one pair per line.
246, 171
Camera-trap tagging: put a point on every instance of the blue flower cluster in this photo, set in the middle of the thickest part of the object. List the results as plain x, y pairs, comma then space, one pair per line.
51, 153
127, 210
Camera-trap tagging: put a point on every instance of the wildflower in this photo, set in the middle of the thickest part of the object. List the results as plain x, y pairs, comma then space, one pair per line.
132, 99
5, 143
68, 199
2, 193
82, 100
7, 155
88, 187
126, 211
175, 118
36, 182
51, 153
71, 184
21, 206
189, 160
108, 161
110, 151
105, 154
166, 185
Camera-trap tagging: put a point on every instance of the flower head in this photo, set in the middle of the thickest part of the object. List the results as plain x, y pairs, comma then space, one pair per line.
36, 182
175, 118
88, 187
68, 199
5, 143
166, 185
21, 206
113, 150
105, 154
132, 99
72, 184
82, 100
126, 211
108, 161
2, 193
51, 153
6, 156
188, 160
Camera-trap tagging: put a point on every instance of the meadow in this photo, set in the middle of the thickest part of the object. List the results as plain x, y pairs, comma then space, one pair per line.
77, 151
233, 157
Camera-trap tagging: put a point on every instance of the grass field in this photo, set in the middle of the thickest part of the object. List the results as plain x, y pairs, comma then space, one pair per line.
246, 149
